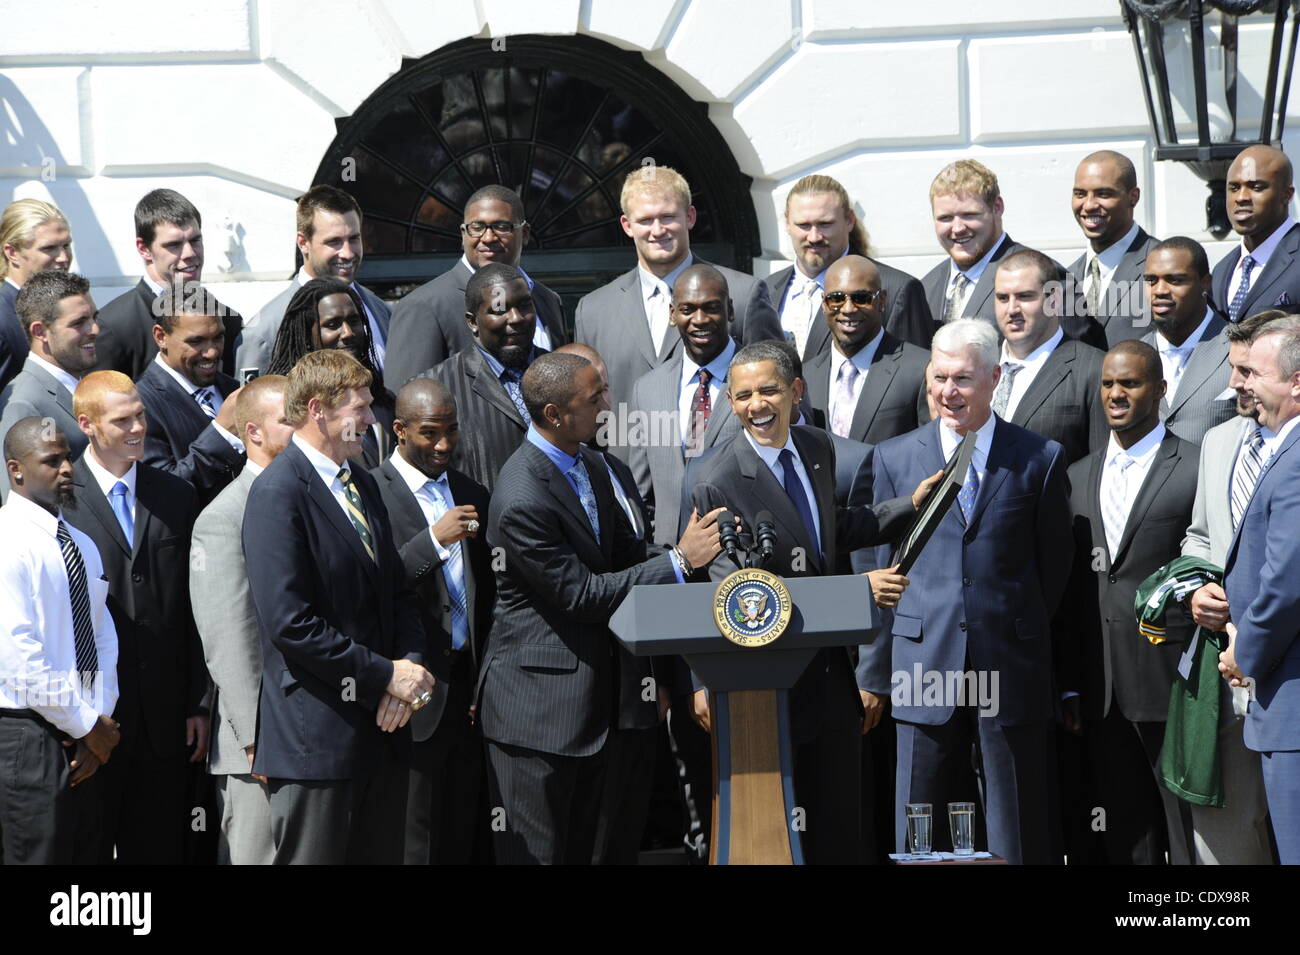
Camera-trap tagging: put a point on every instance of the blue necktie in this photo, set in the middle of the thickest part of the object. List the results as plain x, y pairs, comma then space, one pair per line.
453, 571
585, 493
510, 381
969, 491
117, 499
794, 488
1243, 289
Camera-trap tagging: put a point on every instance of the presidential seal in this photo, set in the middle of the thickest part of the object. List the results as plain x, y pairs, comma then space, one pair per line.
752, 607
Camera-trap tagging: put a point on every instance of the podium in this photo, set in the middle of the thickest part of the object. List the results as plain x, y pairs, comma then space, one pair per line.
756, 820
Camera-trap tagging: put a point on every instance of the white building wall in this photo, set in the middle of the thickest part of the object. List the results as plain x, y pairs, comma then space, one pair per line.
233, 102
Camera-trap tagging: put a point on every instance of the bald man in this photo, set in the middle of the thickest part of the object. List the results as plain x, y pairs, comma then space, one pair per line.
1264, 270
437, 515
1107, 278
869, 385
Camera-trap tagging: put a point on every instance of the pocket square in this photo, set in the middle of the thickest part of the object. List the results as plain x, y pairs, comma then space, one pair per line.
1283, 299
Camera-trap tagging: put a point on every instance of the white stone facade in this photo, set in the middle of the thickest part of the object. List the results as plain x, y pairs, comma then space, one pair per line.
233, 102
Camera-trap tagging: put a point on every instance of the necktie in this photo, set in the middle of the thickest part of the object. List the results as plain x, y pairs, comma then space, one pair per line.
1243, 289
585, 493
952, 310
453, 569
1176, 361
660, 303
968, 493
1114, 510
701, 408
510, 381
844, 403
204, 397
356, 513
117, 498
1094, 286
794, 488
83, 634
1002, 397
1246, 474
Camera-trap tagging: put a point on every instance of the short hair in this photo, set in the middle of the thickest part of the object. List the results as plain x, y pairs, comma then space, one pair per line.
38, 300
1150, 357
772, 351
1049, 270
793, 352
495, 273
655, 180
1243, 331
178, 300
859, 241
1128, 177
966, 177
495, 192
19, 223
251, 396
551, 380
1181, 243
326, 375
322, 198
159, 206
1288, 355
22, 437
88, 398
973, 333
430, 390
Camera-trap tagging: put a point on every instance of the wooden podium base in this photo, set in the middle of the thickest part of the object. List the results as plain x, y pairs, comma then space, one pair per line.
754, 815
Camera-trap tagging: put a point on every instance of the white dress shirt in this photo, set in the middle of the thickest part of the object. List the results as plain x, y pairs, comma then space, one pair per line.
62, 377
691, 382
1263, 252
1273, 439
214, 396
772, 458
973, 275
862, 361
657, 297
541, 337
1143, 454
38, 656
950, 440
106, 481
1108, 260
416, 481
1030, 366
1173, 359
329, 473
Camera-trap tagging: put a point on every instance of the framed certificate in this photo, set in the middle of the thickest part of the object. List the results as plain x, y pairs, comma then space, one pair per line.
935, 506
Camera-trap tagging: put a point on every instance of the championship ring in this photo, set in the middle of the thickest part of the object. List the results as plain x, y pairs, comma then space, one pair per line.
752, 607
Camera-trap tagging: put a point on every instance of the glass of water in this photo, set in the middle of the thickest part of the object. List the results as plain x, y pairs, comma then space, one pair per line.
961, 823
919, 819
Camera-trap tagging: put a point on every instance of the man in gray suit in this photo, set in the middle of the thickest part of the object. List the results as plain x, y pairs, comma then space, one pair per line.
1189, 337
227, 624
429, 324
627, 321
1108, 276
1236, 834
329, 240
61, 323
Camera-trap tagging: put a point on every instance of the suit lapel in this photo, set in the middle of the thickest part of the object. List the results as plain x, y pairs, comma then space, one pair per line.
484, 384
818, 336
996, 469
1161, 469
1205, 359
143, 514
884, 366
1054, 371
325, 502
984, 287
635, 318
1272, 271
1287, 446
822, 479
92, 499
761, 485
817, 376
1097, 522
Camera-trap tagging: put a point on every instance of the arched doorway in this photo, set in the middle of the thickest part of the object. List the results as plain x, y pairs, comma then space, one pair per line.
560, 119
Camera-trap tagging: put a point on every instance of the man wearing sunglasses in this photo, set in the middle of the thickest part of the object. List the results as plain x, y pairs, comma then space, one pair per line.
429, 324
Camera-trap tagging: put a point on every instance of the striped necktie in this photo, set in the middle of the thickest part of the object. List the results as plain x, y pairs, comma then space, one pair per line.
1250, 461
204, 397
356, 513
83, 633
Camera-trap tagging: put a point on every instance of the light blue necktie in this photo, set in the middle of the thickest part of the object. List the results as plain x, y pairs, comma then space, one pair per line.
453, 570
585, 493
117, 499
969, 491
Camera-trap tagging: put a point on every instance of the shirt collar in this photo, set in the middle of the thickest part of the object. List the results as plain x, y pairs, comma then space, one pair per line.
180, 379
19, 507
975, 271
1265, 248
1164, 347
415, 478
651, 282
106, 480
157, 289
1142, 450
862, 359
1038, 355
772, 456
253, 468
717, 368
1275, 439
464, 260
950, 439
324, 465
61, 376
1109, 257
560, 459
17, 286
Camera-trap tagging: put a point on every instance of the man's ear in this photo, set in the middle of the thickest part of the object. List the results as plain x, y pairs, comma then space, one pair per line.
159, 336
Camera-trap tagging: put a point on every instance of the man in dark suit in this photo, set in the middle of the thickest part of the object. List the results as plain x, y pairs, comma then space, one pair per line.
1260, 580
34, 237
548, 691
1108, 306
627, 321
485, 380
868, 385
967, 208
169, 238
822, 227
435, 512
140, 518
1049, 382
979, 606
190, 402
1190, 339
342, 643
1264, 271
329, 242
1131, 501
429, 324
60, 320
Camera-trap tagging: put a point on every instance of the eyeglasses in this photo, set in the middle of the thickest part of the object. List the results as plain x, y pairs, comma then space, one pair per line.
476, 228
835, 300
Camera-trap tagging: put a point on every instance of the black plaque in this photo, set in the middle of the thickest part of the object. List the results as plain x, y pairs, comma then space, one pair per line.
936, 505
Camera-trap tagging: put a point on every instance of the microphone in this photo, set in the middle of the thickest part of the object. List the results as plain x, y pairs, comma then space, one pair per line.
765, 534
727, 531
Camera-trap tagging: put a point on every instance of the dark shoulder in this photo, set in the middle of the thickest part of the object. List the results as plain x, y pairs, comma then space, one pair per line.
1088, 356
465, 489
162, 491
132, 302
891, 277
778, 280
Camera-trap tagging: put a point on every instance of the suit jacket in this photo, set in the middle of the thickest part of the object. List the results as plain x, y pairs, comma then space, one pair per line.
160, 661
1121, 312
1103, 655
423, 570
13, 340
737, 477
491, 427
1210, 530
1063, 404
332, 621
892, 399
659, 460
1265, 601
1199, 404
980, 303
983, 595
612, 320
550, 682
35, 392
1276, 285
125, 341
907, 314
179, 438
429, 324
261, 330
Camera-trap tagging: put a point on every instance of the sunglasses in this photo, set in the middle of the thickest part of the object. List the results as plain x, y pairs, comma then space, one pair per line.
860, 298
